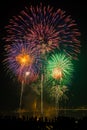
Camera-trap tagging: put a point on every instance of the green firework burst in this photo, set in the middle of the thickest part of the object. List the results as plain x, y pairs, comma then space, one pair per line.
59, 69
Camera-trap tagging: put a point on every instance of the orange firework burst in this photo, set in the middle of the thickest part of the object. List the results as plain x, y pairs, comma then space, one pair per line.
57, 73
24, 59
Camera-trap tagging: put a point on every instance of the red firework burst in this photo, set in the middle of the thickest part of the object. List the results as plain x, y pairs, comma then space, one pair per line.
48, 29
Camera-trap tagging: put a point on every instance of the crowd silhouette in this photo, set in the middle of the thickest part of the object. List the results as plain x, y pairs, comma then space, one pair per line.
35, 123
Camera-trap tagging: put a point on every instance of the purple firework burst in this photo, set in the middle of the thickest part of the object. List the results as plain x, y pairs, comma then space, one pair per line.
23, 60
48, 29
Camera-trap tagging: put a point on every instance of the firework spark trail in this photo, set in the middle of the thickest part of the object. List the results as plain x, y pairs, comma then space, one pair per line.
22, 87
47, 28
58, 93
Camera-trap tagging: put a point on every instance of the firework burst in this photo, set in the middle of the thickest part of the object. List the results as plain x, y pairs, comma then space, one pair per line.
23, 60
59, 69
58, 92
47, 28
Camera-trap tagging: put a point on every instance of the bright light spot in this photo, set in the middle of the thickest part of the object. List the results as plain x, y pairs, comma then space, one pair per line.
24, 59
27, 73
57, 73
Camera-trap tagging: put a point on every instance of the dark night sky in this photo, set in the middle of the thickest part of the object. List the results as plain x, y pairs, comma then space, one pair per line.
9, 90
